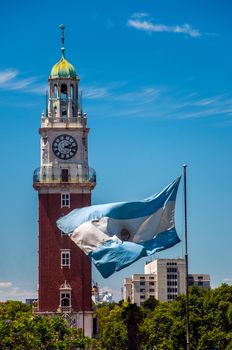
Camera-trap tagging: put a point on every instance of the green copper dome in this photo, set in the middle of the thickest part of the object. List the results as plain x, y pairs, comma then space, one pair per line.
63, 69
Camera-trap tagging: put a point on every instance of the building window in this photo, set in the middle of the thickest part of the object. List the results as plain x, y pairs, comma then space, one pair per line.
71, 92
142, 290
63, 91
171, 263
151, 283
172, 277
65, 200
171, 283
65, 258
142, 283
151, 290
64, 175
171, 269
55, 91
65, 298
142, 277
142, 296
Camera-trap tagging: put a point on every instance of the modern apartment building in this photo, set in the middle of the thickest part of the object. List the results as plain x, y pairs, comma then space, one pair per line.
201, 281
163, 279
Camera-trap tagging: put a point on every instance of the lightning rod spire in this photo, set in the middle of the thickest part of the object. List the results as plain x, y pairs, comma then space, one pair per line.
62, 27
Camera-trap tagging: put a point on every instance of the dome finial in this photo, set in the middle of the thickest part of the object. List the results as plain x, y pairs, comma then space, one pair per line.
62, 27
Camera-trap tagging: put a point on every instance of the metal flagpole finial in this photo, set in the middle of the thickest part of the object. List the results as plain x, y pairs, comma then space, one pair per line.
62, 27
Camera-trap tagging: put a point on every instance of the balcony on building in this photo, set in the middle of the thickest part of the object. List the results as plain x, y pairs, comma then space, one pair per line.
75, 175
79, 121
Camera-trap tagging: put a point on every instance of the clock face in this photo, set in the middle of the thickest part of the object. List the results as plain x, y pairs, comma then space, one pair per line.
64, 147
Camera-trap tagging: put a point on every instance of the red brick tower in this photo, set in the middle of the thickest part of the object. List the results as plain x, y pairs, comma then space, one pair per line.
64, 181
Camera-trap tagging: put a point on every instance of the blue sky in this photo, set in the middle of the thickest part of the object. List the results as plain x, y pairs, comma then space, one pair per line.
156, 81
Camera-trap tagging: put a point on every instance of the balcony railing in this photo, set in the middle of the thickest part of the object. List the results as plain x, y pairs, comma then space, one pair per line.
65, 309
75, 121
49, 175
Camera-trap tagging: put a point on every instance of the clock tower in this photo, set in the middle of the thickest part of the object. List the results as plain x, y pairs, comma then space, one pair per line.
64, 182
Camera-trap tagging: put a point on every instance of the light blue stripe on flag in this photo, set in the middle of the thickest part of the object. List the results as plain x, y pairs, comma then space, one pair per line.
117, 234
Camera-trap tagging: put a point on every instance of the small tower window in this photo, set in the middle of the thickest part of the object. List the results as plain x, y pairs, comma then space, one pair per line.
55, 91
65, 258
65, 297
64, 113
64, 175
71, 92
63, 91
65, 200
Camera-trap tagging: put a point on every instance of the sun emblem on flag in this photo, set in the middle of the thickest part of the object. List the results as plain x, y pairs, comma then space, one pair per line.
125, 234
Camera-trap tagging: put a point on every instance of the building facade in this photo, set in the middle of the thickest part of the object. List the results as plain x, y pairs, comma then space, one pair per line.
100, 295
200, 281
163, 279
138, 288
64, 181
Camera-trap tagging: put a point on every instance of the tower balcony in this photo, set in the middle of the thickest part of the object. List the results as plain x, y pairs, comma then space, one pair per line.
48, 176
72, 122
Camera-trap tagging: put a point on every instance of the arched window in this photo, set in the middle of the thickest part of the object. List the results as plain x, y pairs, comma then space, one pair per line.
55, 111
65, 295
71, 92
63, 91
64, 112
65, 299
55, 91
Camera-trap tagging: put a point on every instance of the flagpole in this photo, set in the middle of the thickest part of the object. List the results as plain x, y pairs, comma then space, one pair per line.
186, 258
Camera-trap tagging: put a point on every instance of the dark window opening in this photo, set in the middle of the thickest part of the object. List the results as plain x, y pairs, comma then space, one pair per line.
65, 299
64, 175
63, 91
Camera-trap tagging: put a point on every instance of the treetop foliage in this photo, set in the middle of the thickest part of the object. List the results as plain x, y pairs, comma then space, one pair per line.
155, 326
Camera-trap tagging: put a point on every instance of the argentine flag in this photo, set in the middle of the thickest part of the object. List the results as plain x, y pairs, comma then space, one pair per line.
117, 234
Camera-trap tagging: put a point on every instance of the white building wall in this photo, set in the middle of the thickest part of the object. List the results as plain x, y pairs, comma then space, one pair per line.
163, 279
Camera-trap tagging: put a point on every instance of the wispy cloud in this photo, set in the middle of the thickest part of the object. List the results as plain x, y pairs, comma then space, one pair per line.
159, 103
141, 21
7, 75
5, 284
95, 92
227, 280
10, 292
139, 15
11, 79
110, 23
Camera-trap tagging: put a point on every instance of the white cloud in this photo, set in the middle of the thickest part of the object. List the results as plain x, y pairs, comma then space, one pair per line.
159, 103
10, 79
7, 75
137, 21
5, 284
94, 92
16, 293
140, 15
227, 280
19, 84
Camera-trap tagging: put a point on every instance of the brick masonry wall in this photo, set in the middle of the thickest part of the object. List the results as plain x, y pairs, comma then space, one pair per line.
51, 241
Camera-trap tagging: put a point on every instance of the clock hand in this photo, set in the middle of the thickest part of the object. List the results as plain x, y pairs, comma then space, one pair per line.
69, 146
